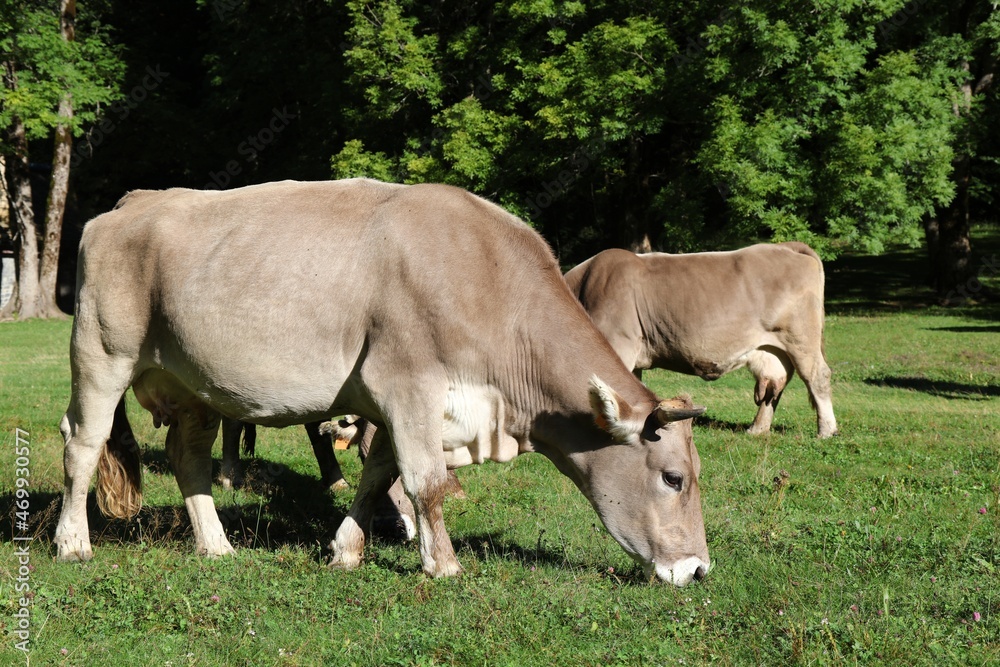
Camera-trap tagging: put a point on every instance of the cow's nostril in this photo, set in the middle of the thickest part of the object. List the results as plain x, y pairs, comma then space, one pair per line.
699, 574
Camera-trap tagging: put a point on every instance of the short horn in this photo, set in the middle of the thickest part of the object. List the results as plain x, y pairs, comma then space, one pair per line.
675, 410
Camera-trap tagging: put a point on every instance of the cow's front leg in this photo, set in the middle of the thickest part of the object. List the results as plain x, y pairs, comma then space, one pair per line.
377, 476
189, 448
425, 480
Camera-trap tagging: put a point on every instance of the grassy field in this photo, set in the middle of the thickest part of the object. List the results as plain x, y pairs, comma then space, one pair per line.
880, 546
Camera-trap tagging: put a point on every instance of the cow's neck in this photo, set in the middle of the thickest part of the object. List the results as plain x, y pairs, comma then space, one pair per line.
548, 381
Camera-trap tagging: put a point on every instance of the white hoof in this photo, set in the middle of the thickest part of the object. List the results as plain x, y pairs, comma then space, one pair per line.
216, 549
343, 559
74, 552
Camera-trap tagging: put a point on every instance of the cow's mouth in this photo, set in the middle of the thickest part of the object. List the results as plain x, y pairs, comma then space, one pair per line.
681, 573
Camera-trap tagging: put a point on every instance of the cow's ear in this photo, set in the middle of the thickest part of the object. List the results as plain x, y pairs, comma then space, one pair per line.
677, 409
611, 412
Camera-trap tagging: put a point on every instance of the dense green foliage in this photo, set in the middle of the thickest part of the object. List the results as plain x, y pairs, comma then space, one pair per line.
693, 124
690, 125
880, 546
44, 67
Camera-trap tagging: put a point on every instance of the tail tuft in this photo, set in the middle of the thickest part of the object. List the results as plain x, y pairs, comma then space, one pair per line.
119, 471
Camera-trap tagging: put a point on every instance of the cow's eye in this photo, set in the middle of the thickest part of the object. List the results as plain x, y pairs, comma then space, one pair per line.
674, 480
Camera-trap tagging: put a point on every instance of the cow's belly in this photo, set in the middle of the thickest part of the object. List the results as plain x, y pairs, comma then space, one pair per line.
165, 394
273, 368
473, 426
711, 359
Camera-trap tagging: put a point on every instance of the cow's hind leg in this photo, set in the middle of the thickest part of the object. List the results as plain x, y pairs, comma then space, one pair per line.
811, 365
377, 476
189, 448
773, 370
98, 388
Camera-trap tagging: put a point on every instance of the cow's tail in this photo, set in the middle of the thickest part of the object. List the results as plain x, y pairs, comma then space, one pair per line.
119, 470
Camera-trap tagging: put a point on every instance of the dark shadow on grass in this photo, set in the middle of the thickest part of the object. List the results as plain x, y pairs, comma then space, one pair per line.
294, 510
494, 545
898, 280
722, 425
968, 329
155, 459
891, 282
719, 424
943, 389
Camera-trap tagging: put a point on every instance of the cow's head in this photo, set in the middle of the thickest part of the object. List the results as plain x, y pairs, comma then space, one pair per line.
645, 486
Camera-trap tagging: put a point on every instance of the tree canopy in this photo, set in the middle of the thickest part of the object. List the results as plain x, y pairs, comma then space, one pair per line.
664, 124
53, 86
716, 123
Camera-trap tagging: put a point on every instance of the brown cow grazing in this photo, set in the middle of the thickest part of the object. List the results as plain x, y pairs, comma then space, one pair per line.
707, 314
457, 337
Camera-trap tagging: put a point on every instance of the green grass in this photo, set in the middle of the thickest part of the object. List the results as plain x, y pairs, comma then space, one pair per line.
868, 548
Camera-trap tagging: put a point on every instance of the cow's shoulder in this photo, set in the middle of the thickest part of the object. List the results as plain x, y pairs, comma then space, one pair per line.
478, 220
136, 200
785, 248
782, 258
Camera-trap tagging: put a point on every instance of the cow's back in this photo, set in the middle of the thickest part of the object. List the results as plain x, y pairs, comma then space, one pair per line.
730, 290
294, 285
700, 312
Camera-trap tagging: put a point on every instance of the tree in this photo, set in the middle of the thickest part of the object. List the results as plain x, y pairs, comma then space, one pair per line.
818, 137
53, 84
660, 123
528, 103
966, 37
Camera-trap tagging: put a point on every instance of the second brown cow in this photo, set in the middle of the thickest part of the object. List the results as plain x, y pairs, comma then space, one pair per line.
707, 314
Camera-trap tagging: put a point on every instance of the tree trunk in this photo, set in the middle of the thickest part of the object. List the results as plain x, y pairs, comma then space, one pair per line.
25, 298
7, 273
635, 209
948, 242
4, 207
55, 207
